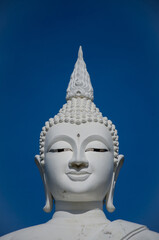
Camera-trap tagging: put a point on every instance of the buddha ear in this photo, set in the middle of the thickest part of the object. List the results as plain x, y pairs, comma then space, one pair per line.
49, 198
109, 197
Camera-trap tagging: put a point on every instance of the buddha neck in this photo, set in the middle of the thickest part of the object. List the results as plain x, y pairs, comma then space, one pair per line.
77, 207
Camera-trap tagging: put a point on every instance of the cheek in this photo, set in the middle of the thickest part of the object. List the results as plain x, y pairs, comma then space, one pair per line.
102, 165
55, 165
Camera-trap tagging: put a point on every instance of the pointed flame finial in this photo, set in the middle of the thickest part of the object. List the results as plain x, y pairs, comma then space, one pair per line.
80, 83
80, 53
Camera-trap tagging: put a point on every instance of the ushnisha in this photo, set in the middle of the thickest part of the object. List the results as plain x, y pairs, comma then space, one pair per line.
79, 107
79, 164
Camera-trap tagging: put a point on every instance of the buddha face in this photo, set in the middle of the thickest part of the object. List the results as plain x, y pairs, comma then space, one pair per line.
79, 161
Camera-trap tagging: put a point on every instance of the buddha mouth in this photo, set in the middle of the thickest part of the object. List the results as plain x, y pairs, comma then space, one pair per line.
78, 176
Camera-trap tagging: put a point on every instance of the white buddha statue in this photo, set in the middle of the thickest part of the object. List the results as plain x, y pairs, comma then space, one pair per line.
79, 165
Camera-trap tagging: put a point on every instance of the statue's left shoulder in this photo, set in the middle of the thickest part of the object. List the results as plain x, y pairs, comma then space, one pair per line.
135, 231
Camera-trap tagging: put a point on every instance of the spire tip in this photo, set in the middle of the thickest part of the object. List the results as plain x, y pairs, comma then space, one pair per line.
80, 53
80, 83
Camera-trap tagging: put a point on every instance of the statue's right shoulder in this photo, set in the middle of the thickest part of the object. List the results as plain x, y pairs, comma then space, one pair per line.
24, 234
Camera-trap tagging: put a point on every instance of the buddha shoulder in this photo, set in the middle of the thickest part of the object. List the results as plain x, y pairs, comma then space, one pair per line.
116, 230
38, 232
124, 230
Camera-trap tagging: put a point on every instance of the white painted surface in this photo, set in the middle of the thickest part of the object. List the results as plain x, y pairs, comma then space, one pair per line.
79, 165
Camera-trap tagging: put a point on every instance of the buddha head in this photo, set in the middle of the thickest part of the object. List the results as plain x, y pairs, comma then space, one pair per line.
79, 160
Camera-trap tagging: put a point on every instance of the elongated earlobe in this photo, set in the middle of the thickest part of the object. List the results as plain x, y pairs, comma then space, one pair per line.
109, 198
49, 198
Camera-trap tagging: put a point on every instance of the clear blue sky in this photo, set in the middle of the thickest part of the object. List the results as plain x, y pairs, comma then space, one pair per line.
39, 41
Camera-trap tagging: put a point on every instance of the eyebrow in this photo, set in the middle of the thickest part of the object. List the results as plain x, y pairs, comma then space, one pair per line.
97, 138
58, 138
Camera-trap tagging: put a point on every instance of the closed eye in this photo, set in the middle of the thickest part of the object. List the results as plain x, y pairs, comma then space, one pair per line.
96, 150
60, 150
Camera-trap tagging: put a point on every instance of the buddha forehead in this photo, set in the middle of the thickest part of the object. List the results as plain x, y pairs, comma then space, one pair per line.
78, 134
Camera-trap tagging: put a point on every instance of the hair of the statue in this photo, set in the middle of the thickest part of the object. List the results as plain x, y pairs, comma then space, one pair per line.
79, 108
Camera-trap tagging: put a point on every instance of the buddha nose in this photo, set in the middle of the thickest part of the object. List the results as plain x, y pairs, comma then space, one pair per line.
78, 162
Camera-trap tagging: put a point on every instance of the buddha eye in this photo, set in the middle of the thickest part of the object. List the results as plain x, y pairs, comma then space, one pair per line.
96, 150
60, 150
59, 147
